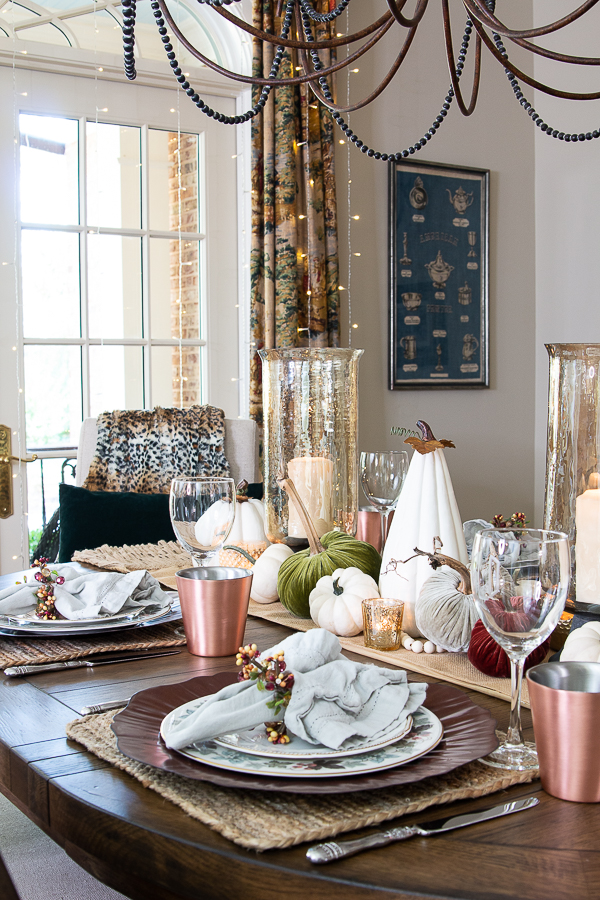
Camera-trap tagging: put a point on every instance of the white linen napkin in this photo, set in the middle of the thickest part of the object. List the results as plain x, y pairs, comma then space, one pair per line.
335, 702
84, 595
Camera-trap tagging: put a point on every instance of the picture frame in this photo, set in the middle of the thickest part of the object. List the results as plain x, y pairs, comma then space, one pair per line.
439, 276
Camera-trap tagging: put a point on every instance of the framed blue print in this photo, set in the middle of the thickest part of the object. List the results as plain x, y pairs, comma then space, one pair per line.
439, 276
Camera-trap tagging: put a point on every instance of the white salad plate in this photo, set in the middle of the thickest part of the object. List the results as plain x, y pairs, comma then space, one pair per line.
256, 743
425, 734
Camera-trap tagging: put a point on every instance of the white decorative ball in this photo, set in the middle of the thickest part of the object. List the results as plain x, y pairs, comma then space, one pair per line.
429, 647
417, 647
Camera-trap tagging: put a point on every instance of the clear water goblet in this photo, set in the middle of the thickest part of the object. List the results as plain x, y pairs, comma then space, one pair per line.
382, 474
520, 580
202, 512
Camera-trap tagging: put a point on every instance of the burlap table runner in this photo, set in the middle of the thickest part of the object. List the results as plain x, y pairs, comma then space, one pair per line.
452, 667
18, 651
267, 821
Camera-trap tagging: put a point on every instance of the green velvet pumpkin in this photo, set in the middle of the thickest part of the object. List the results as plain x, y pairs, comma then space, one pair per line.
299, 574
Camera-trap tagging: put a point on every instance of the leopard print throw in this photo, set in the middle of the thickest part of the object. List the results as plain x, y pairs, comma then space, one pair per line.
142, 450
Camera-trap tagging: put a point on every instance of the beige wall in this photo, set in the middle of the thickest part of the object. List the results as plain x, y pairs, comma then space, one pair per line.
567, 214
493, 465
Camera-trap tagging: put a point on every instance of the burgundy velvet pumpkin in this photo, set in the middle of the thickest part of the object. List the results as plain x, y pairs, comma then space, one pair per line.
489, 657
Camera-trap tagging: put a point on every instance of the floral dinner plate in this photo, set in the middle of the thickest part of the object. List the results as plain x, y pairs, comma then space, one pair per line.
425, 734
254, 741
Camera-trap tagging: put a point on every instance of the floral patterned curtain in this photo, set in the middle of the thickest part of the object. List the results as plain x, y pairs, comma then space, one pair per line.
294, 256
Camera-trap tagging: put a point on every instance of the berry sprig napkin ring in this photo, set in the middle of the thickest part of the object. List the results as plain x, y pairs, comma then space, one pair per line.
44, 594
269, 675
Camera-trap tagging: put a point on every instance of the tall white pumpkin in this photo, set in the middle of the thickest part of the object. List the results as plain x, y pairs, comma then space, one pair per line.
426, 509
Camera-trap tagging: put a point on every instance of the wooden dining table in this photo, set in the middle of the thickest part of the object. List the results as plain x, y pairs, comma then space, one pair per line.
138, 843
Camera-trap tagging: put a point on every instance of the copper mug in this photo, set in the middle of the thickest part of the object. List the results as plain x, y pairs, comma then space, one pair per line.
565, 705
214, 606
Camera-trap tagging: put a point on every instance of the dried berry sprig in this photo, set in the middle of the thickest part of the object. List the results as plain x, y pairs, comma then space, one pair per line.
269, 674
517, 520
47, 578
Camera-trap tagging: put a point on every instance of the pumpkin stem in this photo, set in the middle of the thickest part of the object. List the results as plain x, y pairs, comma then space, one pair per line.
428, 443
426, 432
437, 559
337, 590
314, 543
241, 491
240, 551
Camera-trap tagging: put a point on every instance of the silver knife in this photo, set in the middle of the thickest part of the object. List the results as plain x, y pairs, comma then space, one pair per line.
103, 707
332, 850
12, 671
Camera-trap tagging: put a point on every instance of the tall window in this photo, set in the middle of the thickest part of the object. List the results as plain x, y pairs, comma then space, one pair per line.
112, 273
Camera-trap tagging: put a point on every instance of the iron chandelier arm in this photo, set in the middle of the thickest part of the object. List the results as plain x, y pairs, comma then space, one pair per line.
252, 79
532, 82
479, 12
396, 7
557, 57
328, 44
465, 110
334, 107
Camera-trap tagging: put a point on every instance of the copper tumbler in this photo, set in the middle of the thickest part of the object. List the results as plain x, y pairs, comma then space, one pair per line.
369, 526
565, 705
214, 606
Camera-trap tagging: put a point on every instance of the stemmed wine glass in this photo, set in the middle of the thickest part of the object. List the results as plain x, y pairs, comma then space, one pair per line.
382, 474
520, 580
202, 512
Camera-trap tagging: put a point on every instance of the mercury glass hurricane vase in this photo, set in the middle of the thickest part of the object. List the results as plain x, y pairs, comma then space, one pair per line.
572, 501
310, 402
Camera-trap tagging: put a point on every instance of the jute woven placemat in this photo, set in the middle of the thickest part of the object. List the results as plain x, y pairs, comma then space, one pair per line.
15, 651
452, 667
130, 557
268, 821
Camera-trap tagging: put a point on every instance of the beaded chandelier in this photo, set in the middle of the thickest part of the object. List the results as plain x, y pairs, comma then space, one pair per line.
301, 33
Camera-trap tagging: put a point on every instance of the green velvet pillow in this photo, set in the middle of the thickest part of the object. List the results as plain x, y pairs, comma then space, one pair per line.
89, 519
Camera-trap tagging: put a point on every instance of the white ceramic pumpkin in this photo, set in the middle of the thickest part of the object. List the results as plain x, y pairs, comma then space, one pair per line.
426, 509
583, 644
265, 572
336, 601
248, 524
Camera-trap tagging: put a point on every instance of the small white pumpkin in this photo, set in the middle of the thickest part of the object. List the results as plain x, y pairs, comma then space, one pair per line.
583, 644
265, 572
249, 523
336, 600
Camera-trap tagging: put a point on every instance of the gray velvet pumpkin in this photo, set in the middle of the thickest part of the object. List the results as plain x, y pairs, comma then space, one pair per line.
444, 614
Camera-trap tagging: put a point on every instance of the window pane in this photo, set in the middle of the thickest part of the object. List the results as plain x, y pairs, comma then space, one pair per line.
116, 379
49, 186
174, 276
172, 208
168, 365
50, 273
43, 478
114, 286
53, 410
114, 176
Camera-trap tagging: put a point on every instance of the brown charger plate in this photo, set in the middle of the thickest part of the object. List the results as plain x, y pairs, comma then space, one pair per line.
469, 732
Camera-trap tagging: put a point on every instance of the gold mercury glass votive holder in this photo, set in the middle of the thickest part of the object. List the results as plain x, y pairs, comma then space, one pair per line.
382, 620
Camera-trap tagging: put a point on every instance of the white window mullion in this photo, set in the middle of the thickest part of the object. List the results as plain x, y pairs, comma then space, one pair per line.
203, 264
83, 269
146, 305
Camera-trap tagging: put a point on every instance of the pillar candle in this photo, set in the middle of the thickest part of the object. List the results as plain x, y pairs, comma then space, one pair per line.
313, 478
587, 542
